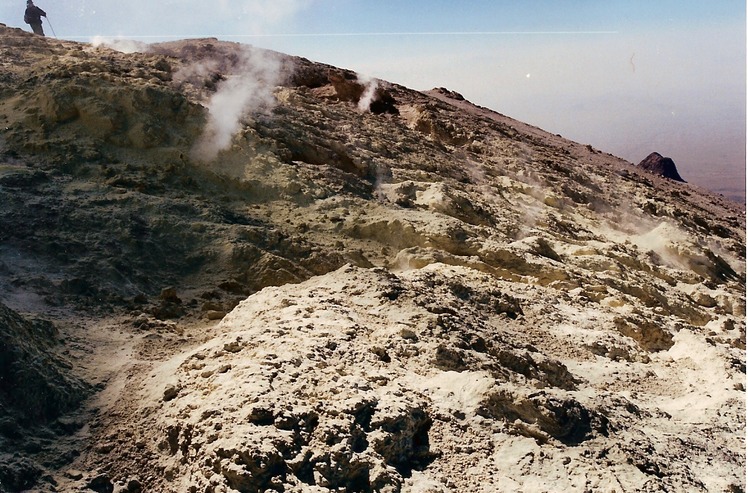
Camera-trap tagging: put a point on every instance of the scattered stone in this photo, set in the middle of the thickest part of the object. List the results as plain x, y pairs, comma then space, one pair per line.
74, 474
649, 335
169, 295
408, 334
233, 347
101, 484
214, 314
105, 448
170, 393
134, 486
382, 354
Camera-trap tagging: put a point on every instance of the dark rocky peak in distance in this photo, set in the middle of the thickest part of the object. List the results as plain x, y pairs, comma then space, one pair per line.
662, 166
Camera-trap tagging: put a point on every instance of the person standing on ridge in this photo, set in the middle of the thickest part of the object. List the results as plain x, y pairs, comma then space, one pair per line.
33, 17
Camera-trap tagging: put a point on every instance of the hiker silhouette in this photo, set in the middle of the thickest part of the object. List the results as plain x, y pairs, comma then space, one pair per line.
33, 17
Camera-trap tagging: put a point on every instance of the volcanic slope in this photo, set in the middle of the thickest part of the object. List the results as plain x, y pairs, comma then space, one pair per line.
280, 277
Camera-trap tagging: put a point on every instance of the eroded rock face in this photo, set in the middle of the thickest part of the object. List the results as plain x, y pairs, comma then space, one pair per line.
344, 390
370, 381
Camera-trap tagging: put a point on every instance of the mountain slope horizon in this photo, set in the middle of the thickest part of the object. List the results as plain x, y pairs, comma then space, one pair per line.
279, 275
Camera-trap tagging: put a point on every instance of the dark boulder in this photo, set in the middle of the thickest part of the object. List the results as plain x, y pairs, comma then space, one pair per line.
663, 166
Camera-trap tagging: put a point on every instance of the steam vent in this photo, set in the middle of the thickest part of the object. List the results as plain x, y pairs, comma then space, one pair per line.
662, 166
229, 270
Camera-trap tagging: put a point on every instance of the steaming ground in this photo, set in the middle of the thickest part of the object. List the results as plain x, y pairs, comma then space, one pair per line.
364, 288
248, 91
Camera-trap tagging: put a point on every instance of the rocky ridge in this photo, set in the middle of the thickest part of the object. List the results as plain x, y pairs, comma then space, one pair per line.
413, 292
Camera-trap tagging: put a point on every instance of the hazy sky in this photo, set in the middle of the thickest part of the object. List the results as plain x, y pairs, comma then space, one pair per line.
627, 76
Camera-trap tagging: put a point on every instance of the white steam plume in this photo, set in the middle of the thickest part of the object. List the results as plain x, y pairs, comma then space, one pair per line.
120, 44
370, 92
248, 89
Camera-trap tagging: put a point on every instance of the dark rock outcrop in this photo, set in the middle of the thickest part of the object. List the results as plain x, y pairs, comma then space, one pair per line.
35, 385
662, 166
36, 388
